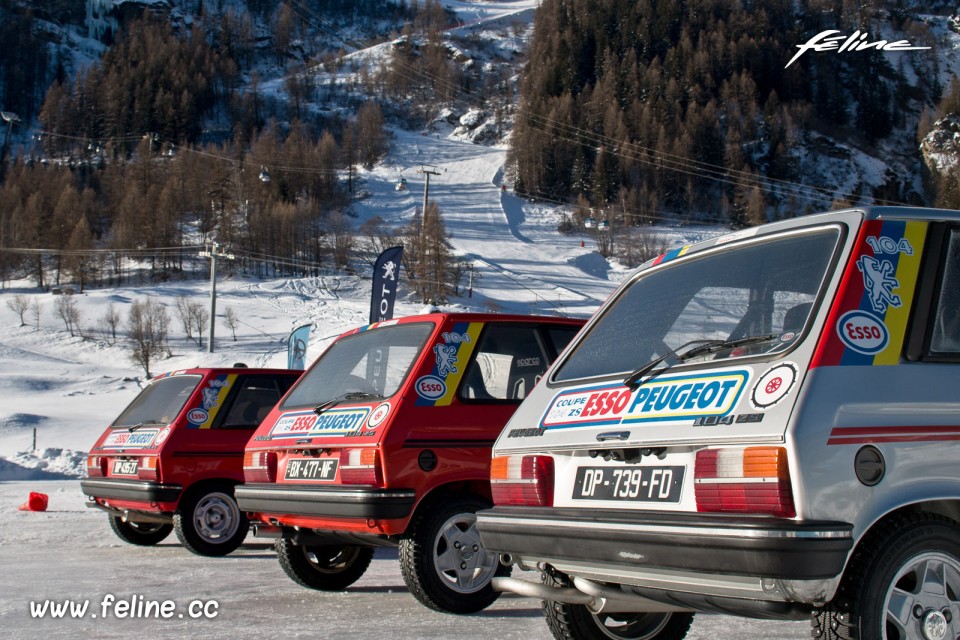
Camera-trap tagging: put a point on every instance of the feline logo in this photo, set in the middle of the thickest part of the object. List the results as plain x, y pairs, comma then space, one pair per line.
826, 41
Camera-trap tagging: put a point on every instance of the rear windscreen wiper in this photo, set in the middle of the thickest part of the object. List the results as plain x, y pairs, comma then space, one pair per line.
348, 396
697, 348
134, 427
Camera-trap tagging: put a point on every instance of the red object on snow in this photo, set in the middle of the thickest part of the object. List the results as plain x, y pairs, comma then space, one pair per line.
36, 502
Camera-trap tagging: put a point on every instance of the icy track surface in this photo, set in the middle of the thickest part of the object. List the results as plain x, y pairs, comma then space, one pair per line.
69, 553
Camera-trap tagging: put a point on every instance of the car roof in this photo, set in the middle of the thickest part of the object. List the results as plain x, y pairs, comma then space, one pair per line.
223, 370
850, 215
442, 317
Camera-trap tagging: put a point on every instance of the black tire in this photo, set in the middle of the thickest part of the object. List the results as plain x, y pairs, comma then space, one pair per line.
575, 622
144, 534
443, 563
881, 594
323, 567
208, 521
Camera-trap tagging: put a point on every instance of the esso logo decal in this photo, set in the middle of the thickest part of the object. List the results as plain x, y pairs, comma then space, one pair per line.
431, 387
197, 416
161, 437
378, 415
862, 332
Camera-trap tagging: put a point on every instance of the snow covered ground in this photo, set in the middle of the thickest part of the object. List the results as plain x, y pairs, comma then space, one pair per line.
69, 554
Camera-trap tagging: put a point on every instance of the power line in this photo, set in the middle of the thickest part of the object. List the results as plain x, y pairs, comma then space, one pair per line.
158, 251
567, 132
664, 160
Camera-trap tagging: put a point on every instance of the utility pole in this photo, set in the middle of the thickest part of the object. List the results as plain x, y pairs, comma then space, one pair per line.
213, 252
424, 224
427, 171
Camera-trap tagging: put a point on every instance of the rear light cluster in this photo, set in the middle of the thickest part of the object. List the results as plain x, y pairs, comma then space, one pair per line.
522, 480
147, 469
751, 480
360, 466
96, 466
259, 466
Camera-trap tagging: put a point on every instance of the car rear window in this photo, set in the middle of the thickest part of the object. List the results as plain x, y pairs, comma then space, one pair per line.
372, 362
755, 289
160, 403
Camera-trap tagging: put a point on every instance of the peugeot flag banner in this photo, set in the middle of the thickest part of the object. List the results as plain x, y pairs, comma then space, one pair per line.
297, 347
386, 273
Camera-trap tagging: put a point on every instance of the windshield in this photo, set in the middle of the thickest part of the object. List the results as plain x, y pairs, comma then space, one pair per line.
160, 403
370, 364
763, 290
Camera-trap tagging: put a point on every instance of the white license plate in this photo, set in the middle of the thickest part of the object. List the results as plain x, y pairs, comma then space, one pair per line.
311, 469
629, 483
125, 467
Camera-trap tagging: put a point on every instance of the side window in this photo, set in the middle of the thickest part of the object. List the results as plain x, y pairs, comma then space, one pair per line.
508, 362
560, 337
253, 400
945, 334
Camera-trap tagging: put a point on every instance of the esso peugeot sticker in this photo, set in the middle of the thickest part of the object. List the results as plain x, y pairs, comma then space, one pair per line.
197, 416
378, 415
332, 422
431, 387
862, 332
658, 399
126, 439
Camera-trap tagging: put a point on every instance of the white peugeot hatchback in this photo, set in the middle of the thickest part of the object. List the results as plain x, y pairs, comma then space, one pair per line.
765, 424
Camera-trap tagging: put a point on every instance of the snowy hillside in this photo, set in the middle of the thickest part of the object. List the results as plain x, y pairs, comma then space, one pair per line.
69, 388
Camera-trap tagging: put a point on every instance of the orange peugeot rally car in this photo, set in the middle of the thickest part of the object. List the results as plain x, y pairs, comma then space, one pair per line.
386, 440
172, 458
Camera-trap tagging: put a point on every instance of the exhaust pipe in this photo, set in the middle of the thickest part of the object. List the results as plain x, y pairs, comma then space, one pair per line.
542, 591
596, 597
261, 530
150, 518
126, 515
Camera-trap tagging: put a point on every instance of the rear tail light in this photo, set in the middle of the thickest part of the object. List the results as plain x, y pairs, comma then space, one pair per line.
148, 468
259, 466
751, 480
96, 466
522, 480
360, 466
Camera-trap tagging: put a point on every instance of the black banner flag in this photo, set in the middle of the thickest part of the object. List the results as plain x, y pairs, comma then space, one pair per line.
386, 274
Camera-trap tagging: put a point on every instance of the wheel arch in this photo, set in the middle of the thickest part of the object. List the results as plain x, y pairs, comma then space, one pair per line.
446, 491
202, 485
947, 507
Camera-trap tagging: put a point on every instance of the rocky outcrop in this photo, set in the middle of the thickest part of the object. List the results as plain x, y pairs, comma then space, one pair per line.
941, 147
